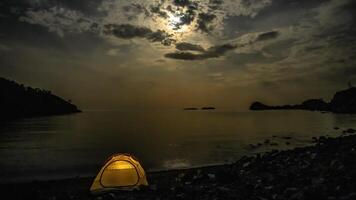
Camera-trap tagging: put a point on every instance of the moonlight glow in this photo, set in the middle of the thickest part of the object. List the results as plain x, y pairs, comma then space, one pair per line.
176, 25
174, 20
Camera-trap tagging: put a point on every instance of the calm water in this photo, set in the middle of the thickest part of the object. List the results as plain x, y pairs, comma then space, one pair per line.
77, 145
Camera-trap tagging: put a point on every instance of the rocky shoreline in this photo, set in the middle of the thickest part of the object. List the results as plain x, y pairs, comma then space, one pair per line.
324, 170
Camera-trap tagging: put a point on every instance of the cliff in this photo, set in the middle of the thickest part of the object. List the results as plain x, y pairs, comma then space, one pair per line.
20, 101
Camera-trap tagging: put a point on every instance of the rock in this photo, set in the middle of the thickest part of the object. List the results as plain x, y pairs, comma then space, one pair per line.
153, 187
261, 198
246, 164
350, 130
351, 196
112, 195
211, 176
344, 101
269, 187
224, 189
297, 196
336, 128
313, 155
290, 191
286, 137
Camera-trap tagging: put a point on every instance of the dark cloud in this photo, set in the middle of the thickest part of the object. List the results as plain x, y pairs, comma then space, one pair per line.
185, 56
182, 3
185, 46
212, 52
188, 17
89, 7
204, 22
267, 35
133, 10
157, 10
215, 4
128, 31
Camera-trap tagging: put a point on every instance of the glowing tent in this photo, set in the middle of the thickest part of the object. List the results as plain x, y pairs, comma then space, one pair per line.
121, 171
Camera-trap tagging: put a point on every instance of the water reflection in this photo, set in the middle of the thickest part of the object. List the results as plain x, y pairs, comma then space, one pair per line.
78, 144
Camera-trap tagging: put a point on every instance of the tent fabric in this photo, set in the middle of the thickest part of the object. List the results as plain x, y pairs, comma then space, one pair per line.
120, 171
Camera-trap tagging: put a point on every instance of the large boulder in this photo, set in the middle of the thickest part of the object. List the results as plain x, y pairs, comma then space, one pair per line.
344, 101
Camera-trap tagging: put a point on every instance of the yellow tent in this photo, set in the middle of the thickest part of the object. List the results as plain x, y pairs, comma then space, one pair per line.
121, 171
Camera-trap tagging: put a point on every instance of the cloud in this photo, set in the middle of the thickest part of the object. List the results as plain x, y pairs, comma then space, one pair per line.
212, 52
149, 17
156, 9
204, 22
185, 46
267, 35
112, 52
59, 20
128, 31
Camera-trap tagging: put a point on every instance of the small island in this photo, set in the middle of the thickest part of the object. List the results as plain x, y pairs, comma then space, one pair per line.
343, 102
190, 108
18, 101
208, 108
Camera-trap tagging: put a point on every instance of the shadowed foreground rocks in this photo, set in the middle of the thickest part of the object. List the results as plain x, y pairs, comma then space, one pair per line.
326, 170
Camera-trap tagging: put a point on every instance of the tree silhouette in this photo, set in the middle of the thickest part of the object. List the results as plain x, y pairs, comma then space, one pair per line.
16, 100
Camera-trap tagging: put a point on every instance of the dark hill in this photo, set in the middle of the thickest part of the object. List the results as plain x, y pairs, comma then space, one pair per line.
342, 102
19, 101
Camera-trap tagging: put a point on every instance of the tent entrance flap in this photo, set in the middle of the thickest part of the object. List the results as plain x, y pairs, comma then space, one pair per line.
121, 171
119, 174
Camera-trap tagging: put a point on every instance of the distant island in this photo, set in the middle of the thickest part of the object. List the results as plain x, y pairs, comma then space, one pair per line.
190, 108
343, 102
208, 108
20, 101
203, 108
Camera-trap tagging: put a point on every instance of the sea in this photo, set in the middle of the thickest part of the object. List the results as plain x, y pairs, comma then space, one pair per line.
77, 145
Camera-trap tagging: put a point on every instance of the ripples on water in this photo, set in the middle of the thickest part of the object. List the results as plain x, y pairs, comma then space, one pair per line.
77, 145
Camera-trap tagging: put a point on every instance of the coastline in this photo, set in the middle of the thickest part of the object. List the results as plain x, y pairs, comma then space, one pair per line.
327, 169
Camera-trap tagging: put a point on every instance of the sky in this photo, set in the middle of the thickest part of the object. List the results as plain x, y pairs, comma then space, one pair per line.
114, 54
